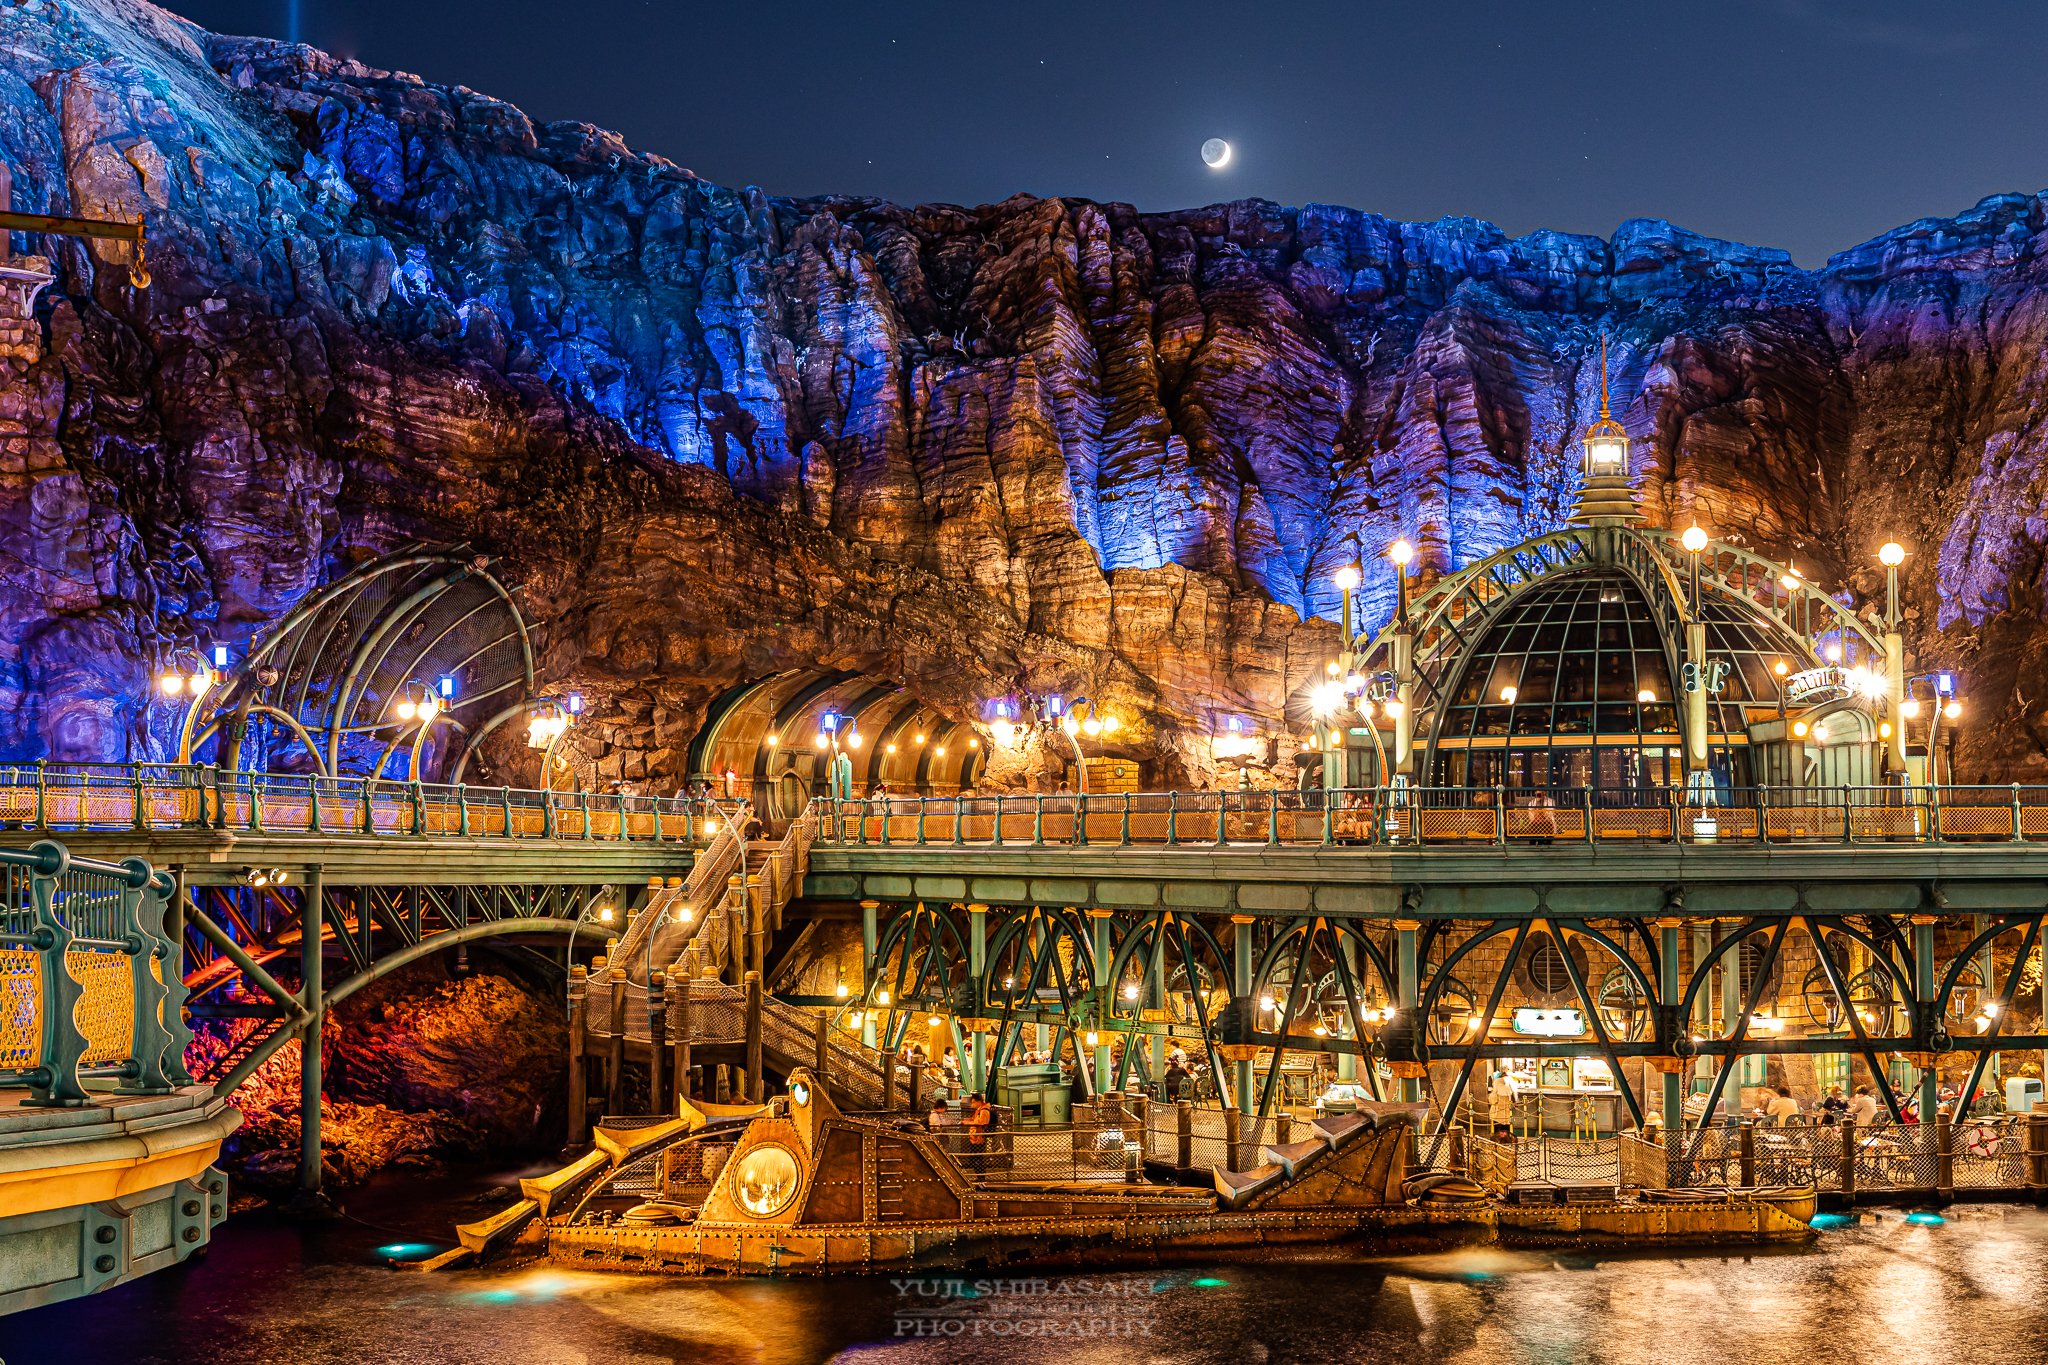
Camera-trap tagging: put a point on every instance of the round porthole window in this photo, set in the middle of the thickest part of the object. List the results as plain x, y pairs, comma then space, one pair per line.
766, 1181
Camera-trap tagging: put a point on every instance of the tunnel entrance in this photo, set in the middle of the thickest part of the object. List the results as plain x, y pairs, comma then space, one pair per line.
765, 740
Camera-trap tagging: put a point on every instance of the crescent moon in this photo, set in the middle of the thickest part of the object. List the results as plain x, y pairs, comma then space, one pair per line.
1216, 153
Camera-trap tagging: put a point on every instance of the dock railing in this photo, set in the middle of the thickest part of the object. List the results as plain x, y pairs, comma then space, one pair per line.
83, 974
1447, 817
1996, 1153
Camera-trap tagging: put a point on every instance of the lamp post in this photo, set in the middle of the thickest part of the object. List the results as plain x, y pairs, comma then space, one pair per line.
551, 720
1014, 722
1892, 554
1401, 554
172, 684
838, 735
1695, 542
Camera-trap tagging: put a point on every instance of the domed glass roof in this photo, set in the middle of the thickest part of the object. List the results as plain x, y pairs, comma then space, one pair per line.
1573, 684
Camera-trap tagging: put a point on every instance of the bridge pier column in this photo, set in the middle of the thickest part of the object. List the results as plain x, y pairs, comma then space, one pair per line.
1731, 1012
1669, 989
869, 939
579, 1083
1241, 989
757, 1084
657, 1044
976, 1070
311, 918
1098, 924
1923, 992
615, 1058
1410, 988
682, 1031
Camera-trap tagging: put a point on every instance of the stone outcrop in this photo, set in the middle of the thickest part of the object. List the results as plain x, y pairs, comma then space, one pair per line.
420, 1067
718, 433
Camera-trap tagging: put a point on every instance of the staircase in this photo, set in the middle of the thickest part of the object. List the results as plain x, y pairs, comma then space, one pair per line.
733, 887
243, 1048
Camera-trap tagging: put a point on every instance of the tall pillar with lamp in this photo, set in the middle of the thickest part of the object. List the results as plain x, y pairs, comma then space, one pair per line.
1892, 554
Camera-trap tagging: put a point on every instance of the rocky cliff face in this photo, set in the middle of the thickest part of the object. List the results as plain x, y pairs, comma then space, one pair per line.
721, 433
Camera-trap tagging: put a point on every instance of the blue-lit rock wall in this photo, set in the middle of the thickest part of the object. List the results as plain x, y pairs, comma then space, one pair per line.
722, 432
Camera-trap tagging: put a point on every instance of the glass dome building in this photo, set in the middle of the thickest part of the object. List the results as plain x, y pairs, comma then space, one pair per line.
1572, 685
1613, 659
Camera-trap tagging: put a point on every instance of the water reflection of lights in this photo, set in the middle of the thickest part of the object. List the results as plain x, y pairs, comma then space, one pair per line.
1924, 1219
544, 1286
1827, 1221
408, 1251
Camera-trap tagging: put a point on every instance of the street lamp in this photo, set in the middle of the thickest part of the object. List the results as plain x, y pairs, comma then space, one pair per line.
1347, 579
1402, 554
1695, 541
1892, 554
1014, 722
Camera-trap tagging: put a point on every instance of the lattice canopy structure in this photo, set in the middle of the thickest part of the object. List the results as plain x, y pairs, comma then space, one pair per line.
398, 669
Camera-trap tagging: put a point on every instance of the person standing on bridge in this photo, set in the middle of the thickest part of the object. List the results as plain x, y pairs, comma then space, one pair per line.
979, 1117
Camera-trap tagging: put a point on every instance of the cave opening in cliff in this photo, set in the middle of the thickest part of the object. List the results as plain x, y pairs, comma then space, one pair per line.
767, 738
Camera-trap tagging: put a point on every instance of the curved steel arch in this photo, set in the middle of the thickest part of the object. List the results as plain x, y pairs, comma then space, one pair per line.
333, 647
1963, 962
1614, 949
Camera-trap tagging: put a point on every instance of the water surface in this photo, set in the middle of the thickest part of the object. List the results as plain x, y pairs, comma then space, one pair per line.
1883, 1288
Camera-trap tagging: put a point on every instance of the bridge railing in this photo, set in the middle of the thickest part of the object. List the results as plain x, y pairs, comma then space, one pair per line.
1449, 817
83, 987
90, 796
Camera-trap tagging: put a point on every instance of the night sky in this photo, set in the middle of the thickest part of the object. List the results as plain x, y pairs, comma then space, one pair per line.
1806, 124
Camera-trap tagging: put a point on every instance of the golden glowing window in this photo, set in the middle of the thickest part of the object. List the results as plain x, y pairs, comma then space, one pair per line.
766, 1181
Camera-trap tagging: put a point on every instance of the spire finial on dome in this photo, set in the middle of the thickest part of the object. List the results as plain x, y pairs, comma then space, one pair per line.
1603, 373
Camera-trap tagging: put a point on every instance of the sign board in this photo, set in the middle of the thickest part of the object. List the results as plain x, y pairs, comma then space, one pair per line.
1549, 1023
1816, 685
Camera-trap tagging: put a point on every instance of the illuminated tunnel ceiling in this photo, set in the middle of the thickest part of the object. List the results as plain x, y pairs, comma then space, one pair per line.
765, 729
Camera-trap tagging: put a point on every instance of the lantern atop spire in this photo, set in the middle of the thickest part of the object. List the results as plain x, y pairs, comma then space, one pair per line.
1606, 496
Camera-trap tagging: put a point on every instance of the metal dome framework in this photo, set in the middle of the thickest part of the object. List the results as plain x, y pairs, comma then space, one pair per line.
1748, 613
317, 693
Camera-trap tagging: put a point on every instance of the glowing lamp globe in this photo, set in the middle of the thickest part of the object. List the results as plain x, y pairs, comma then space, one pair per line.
1606, 450
1402, 553
1891, 554
1694, 539
1346, 578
